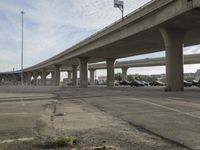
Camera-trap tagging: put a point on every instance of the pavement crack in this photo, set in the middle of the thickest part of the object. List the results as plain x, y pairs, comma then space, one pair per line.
143, 129
139, 127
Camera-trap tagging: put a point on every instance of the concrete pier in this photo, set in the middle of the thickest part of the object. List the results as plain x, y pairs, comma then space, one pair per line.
35, 76
173, 39
43, 76
74, 75
124, 73
110, 71
92, 80
83, 72
57, 75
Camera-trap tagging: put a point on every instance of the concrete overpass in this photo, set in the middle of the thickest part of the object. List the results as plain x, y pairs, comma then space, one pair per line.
159, 25
147, 62
124, 65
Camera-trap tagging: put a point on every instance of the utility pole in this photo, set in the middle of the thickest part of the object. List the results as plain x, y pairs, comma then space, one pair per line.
22, 47
119, 4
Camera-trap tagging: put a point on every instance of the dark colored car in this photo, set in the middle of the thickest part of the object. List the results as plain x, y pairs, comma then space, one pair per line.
187, 84
136, 83
69, 83
198, 84
156, 83
124, 83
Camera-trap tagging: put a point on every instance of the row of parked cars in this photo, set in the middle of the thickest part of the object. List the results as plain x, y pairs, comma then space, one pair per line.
191, 83
138, 83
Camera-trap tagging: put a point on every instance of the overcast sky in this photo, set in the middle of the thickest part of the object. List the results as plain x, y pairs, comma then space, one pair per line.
51, 26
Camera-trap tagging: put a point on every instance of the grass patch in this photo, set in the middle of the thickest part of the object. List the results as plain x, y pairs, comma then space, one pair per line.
62, 141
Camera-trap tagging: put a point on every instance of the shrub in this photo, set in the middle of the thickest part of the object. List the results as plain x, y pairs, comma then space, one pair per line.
62, 141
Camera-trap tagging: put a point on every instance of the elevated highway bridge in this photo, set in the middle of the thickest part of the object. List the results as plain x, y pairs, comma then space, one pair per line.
124, 65
160, 25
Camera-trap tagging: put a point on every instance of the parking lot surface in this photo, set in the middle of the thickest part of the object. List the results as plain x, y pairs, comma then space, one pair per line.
130, 118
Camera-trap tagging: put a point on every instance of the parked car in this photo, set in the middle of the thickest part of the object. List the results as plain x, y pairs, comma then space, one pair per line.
195, 82
145, 83
198, 84
124, 83
69, 83
116, 83
187, 84
136, 83
156, 83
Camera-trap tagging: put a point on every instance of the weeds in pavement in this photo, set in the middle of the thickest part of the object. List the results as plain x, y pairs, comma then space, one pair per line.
62, 141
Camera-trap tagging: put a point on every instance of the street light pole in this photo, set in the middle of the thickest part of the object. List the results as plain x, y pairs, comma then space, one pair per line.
22, 47
119, 4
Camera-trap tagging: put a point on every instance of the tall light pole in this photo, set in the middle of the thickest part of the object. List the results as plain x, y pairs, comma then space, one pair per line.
22, 47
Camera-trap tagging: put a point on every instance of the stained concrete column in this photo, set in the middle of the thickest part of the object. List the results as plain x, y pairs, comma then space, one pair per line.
57, 75
29, 75
83, 72
69, 79
7, 78
92, 81
43, 76
52, 77
69, 72
1, 79
124, 73
14, 79
35, 76
173, 39
25, 78
74, 75
110, 71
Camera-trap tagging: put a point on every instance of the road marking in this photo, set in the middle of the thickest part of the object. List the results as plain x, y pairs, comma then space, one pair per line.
168, 108
13, 140
182, 100
7, 114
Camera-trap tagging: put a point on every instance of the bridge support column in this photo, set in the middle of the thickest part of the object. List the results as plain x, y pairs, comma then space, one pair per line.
29, 75
43, 76
52, 77
110, 71
92, 81
124, 73
1, 79
74, 73
14, 79
35, 76
25, 78
56, 78
83, 72
173, 39
69, 72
